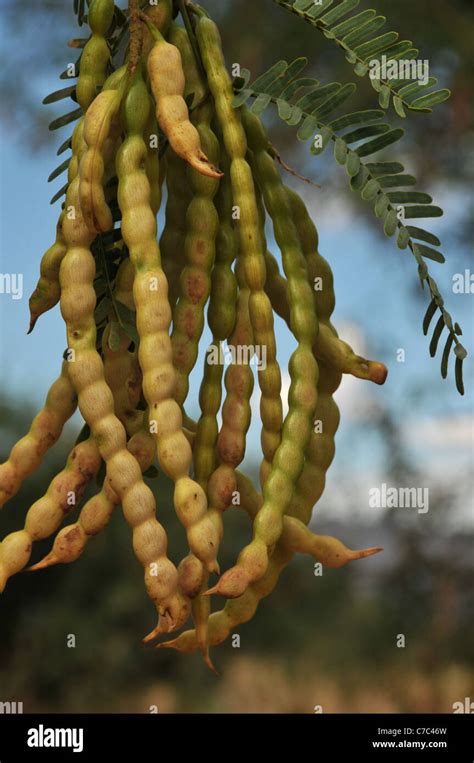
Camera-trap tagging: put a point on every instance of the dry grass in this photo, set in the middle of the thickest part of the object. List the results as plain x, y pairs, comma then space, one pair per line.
253, 685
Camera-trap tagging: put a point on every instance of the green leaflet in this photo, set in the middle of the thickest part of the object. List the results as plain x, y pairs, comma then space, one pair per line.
59, 194
59, 170
356, 33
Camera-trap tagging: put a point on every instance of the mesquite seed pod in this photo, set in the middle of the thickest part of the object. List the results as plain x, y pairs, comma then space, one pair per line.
194, 87
94, 517
100, 136
97, 407
327, 345
221, 318
174, 232
289, 457
95, 57
202, 224
179, 193
297, 537
210, 396
251, 250
271, 408
239, 384
26, 456
309, 487
153, 322
331, 552
236, 416
47, 513
46, 294
167, 83
223, 298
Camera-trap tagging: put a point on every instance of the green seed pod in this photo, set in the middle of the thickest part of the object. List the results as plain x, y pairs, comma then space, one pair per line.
202, 224
251, 252
95, 57
271, 408
221, 318
327, 345
309, 487
223, 299
288, 460
174, 231
160, 13
46, 294
210, 395
239, 384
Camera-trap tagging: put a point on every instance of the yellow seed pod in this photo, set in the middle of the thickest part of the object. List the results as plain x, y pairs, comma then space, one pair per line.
47, 513
26, 456
100, 136
167, 82
153, 322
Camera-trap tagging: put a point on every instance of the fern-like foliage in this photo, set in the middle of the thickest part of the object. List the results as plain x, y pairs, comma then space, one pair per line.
304, 103
357, 35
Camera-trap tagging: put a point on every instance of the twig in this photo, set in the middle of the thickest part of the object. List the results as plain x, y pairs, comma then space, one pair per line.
183, 9
135, 35
275, 154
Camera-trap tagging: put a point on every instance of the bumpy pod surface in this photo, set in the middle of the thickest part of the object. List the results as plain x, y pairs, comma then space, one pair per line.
251, 245
95, 57
308, 490
46, 294
327, 346
271, 408
221, 316
167, 83
289, 457
97, 407
298, 538
27, 454
179, 193
71, 541
153, 323
100, 135
202, 223
47, 513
